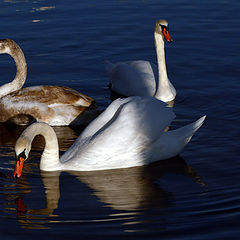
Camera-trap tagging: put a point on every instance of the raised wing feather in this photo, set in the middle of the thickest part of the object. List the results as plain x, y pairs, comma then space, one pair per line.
133, 78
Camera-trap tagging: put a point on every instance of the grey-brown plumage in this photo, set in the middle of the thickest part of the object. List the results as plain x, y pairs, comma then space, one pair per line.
55, 105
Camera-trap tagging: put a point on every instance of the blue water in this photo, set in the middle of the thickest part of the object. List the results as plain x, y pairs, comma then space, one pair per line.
194, 196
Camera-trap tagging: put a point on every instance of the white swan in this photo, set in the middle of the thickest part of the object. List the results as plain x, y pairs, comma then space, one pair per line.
130, 132
54, 105
143, 78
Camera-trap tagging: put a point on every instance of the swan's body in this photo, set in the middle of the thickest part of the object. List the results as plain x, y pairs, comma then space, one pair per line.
54, 105
130, 132
142, 78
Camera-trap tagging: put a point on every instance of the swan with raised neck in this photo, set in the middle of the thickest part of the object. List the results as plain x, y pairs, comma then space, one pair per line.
55, 105
8, 46
165, 90
130, 132
143, 78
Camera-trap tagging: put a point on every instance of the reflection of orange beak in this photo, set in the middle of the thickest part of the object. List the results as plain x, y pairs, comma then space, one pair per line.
167, 35
21, 207
18, 167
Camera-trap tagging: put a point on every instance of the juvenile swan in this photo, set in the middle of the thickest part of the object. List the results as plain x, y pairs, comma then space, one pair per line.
143, 78
130, 132
54, 105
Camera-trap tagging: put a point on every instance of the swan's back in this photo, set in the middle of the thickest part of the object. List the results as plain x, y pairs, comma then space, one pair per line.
55, 105
51, 95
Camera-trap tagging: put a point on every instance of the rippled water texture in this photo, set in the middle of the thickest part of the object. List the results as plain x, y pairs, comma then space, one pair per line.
194, 196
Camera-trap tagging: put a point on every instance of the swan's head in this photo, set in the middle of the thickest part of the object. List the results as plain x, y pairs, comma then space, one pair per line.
22, 149
6, 45
161, 27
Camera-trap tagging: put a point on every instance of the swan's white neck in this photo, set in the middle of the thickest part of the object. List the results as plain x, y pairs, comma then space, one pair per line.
50, 155
16, 53
164, 91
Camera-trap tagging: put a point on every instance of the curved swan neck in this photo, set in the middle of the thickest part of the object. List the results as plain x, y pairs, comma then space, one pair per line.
50, 155
21, 74
163, 87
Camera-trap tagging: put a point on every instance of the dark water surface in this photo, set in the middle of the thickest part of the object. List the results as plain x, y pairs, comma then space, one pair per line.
195, 196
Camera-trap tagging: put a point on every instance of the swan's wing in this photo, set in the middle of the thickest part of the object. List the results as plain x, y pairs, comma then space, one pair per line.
133, 78
123, 139
93, 128
102, 119
147, 115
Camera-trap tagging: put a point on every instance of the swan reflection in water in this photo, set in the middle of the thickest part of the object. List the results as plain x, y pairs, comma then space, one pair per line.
131, 190
14, 191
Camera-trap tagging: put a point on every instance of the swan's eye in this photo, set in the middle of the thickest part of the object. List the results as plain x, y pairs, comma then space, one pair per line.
22, 155
163, 27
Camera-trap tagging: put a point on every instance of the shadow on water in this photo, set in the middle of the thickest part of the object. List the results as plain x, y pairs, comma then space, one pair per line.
130, 190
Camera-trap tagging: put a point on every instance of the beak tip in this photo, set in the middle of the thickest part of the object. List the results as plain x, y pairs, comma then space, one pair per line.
15, 175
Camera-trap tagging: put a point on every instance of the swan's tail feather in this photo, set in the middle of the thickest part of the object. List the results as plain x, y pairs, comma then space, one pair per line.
108, 65
199, 123
188, 131
171, 143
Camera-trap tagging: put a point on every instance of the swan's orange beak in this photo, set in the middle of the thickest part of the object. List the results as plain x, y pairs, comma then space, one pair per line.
18, 167
167, 35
